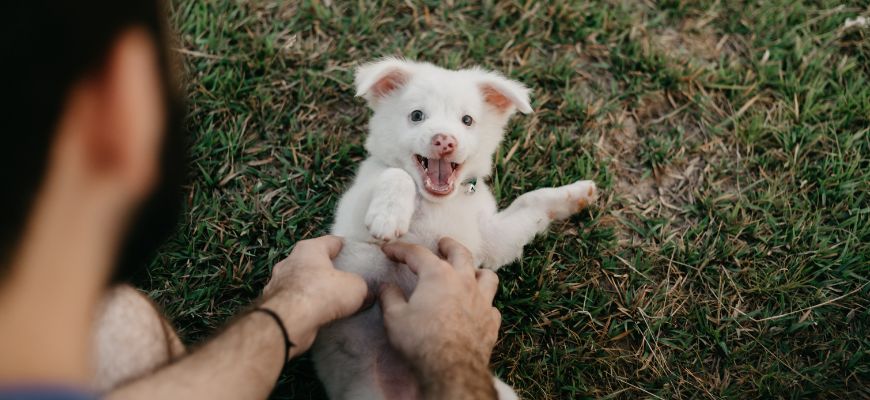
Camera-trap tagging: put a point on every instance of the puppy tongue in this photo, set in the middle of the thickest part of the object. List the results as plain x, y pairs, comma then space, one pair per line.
439, 172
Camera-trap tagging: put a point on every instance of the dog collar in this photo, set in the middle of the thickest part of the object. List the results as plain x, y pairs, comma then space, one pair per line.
470, 185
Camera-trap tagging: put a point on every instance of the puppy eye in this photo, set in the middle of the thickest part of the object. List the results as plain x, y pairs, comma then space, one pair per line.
417, 116
467, 120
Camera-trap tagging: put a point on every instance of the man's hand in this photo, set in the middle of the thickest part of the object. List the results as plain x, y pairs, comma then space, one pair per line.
448, 327
243, 361
307, 291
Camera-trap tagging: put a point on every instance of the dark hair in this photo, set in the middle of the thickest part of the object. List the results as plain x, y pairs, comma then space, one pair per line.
47, 47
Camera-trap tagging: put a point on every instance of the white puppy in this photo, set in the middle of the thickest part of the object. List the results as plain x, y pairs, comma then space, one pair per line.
431, 143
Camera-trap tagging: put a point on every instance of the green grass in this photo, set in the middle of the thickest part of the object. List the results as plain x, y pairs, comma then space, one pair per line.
729, 256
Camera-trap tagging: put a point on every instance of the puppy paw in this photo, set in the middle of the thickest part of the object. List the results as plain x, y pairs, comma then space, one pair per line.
574, 197
392, 207
582, 193
386, 226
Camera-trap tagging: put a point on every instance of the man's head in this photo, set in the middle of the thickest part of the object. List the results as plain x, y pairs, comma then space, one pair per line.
92, 117
440, 126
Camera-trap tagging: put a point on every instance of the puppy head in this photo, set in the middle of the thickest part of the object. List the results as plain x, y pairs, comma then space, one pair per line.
440, 126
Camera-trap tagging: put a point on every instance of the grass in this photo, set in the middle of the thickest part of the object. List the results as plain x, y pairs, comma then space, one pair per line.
729, 256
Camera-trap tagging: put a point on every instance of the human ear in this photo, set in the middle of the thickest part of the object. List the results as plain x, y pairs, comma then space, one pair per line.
132, 114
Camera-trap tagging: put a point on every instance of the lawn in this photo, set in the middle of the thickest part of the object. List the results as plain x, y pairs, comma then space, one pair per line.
728, 256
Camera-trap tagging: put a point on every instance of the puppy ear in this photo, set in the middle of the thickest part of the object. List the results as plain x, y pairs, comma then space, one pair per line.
377, 80
503, 94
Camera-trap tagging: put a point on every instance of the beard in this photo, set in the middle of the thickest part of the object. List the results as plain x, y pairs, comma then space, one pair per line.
158, 216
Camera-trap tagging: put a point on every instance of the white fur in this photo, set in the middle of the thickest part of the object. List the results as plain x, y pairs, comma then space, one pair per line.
387, 201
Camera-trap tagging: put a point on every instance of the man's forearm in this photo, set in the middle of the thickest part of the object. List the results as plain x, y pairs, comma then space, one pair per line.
463, 377
243, 362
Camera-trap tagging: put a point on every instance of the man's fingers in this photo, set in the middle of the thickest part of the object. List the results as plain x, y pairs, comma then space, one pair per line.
349, 291
332, 244
496, 318
418, 258
391, 298
329, 245
457, 255
487, 283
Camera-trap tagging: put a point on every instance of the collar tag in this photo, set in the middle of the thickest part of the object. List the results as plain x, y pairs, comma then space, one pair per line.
470, 186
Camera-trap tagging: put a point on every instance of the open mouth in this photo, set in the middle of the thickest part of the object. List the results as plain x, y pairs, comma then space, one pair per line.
438, 174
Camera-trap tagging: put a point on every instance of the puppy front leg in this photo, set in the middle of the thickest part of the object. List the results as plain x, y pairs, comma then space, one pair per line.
392, 206
514, 227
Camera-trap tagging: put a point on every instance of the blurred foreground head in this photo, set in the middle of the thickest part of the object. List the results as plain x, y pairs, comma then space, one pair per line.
91, 116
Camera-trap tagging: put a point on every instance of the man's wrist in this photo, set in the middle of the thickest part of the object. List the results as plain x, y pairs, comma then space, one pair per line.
299, 319
463, 376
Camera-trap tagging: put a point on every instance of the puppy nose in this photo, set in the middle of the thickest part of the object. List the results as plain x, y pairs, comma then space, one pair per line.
443, 144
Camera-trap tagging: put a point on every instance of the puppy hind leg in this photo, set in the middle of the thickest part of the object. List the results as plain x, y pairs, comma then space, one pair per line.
507, 232
503, 390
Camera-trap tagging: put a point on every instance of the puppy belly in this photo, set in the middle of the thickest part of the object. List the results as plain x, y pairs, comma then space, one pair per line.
368, 261
355, 361
394, 377
353, 357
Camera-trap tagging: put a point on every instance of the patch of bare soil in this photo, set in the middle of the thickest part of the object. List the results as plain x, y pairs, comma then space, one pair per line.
631, 190
700, 46
642, 191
